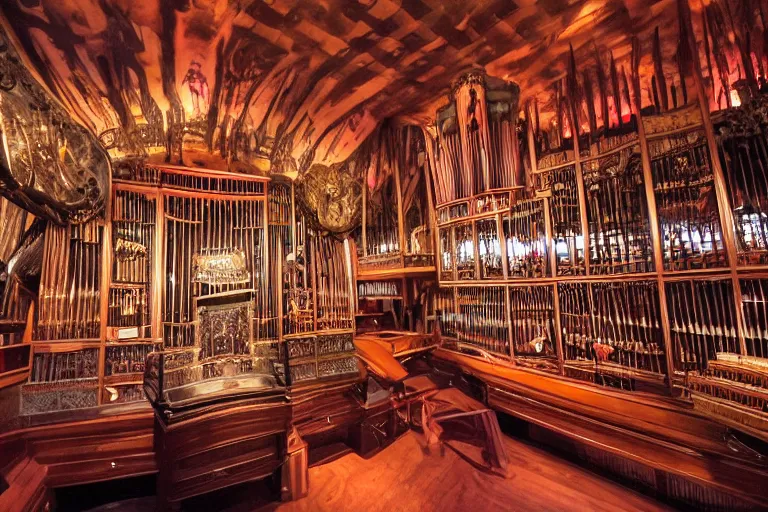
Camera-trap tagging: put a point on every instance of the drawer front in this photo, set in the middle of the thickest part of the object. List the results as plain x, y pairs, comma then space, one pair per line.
330, 422
223, 477
255, 450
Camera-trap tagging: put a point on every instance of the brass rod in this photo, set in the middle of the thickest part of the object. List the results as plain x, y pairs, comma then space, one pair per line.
721, 190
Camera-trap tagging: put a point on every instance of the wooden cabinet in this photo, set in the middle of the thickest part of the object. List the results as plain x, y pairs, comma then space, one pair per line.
218, 445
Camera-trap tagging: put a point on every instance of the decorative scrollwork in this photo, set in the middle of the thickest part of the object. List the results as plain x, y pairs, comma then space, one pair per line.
50, 165
333, 194
748, 120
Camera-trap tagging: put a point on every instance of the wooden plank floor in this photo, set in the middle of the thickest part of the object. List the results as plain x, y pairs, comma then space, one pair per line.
404, 477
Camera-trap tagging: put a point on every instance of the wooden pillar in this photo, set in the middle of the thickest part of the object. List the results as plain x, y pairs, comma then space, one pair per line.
551, 253
279, 284
432, 226
294, 247
502, 246
658, 254
161, 276
350, 280
294, 475
105, 279
476, 250
558, 329
364, 234
266, 274
405, 303
580, 187
431, 179
455, 260
456, 312
315, 298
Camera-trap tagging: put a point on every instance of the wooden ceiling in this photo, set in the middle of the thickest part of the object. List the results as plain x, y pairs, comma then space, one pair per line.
279, 85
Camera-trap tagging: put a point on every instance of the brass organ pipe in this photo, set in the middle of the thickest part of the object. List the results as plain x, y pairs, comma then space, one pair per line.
723, 203
431, 207
507, 294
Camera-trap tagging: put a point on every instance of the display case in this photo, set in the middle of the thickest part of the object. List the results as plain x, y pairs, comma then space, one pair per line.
16, 299
61, 379
617, 213
379, 305
743, 152
245, 280
560, 186
634, 256
397, 225
532, 310
612, 331
525, 236
686, 203
320, 356
14, 348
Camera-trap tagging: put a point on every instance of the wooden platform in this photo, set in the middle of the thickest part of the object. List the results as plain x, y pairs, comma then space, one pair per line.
406, 477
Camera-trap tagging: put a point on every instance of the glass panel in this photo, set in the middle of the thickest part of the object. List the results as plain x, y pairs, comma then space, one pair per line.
526, 240
464, 251
489, 249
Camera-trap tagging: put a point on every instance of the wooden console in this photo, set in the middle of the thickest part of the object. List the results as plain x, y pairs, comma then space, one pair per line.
220, 447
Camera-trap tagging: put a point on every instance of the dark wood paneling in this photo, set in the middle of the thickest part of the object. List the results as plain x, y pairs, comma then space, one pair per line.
26, 481
97, 470
82, 452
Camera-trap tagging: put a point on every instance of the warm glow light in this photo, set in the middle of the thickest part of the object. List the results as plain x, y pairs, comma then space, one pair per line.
735, 98
752, 226
696, 237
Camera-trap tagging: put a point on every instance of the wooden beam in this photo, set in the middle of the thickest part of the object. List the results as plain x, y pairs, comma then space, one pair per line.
551, 253
105, 280
580, 187
364, 224
158, 261
658, 255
